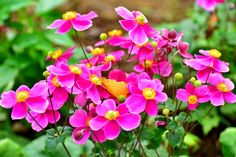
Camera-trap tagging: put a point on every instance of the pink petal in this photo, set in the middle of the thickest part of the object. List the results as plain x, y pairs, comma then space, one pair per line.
97, 123
203, 75
161, 97
81, 25
190, 88
19, 111
136, 103
127, 24
67, 80
229, 84
202, 90
64, 28
82, 83
39, 89
81, 99
220, 66
106, 106
88, 16
23, 88
145, 83
182, 95
138, 36
56, 24
230, 97
111, 130
50, 116
98, 136
37, 104
195, 64
151, 108
125, 13
192, 106
122, 109
42, 120
84, 137
151, 32
78, 119
59, 97
217, 98
129, 121
8, 99
93, 94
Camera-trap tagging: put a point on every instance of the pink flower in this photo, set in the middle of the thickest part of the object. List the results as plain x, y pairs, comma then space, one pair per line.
73, 19
207, 64
136, 24
43, 118
35, 99
80, 120
145, 96
221, 90
209, 5
193, 95
110, 118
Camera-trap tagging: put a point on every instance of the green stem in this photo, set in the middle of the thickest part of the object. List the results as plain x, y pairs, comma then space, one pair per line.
67, 151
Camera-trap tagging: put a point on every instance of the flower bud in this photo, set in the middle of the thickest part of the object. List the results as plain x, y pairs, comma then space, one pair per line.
46, 73
172, 34
197, 83
178, 76
121, 98
166, 112
79, 135
192, 79
103, 36
89, 49
154, 44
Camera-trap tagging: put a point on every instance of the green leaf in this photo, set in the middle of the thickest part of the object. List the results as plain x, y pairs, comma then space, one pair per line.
175, 136
9, 148
228, 109
8, 75
44, 6
228, 142
192, 141
181, 117
172, 125
62, 40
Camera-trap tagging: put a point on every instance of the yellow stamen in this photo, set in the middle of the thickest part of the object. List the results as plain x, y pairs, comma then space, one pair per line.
140, 20
75, 69
214, 53
222, 87
112, 115
55, 82
98, 51
115, 32
89, 65
149, 93
69, 15
22, 96
192, 99
95, 79
147, 63
56, 54
109, 58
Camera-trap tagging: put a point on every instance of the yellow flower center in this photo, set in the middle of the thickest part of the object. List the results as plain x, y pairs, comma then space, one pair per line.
192, 99
69, 15
147, 63
140, 20
149, 93
222, 87
75, 69
214, 53
110, 58
115, 32
22, 96
56, 54
98, 51
89, 65
112, 115
95, 79
55, 82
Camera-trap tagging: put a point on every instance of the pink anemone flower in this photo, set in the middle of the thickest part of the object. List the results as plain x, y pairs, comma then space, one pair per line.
72, 19
221, 90
207, 64
193, 95
110, 118
209, 5
145, 96
80, 120
136, 24
25, 98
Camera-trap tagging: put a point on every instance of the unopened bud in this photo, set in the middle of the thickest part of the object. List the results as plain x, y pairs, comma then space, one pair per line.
197, 83
121, 98
166, 112
79, 135
103, 36
178, 76
192, 79
89, 49
46, 73
172, 34
154, 44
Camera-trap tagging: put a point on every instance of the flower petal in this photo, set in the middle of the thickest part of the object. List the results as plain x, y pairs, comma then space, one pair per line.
182, 95
97, 123
83, 139
151, 108
78, 119
217, 98
81, 25
56, 24
98, 136
8, 99
107, 105
125, 13
19, 111
138, 36
127, 24
136, 103
37, 104
111, 130
230, 97
64, 28
129, 121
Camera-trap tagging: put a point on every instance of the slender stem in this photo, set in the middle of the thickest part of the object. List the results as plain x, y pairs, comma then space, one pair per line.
105, 46
67, 151
81, 45
120, 148
102, 148
128, 56
95, 147
140, 145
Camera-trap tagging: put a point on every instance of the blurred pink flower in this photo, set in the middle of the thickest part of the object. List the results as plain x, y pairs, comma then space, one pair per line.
209, 5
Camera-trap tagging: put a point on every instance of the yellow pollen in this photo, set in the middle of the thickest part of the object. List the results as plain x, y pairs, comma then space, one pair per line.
149, 93
75, 69
22, 96
147, 63
89, 65
69, 15
140, 20
95, 79
222, 87
192, 99
112, 115
56, 54
115, 32
214, 53
110, 58
98, 51
55, 82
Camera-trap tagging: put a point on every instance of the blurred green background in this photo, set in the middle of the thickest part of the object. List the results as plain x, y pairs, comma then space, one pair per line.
25, 42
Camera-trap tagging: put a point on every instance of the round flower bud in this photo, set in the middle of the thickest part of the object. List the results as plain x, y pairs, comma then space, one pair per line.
79, 135
46, 73
154, 44
178, 76
89, 49
50, 53
121, 98
192, 79
103, 36
166, 112
172, 34
197, 83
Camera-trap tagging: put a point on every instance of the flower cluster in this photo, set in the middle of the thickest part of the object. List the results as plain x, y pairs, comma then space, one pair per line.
104, 97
